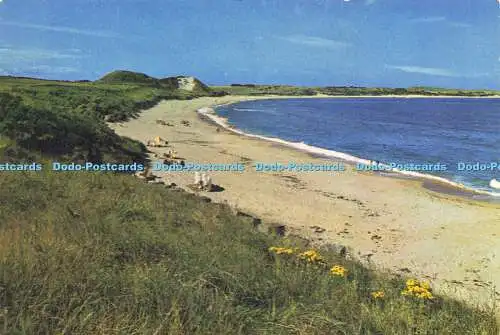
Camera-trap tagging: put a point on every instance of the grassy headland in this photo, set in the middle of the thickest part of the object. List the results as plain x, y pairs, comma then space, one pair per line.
68, 119
99, 253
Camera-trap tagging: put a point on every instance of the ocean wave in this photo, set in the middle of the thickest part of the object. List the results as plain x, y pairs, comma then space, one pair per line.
223, 122
248, 110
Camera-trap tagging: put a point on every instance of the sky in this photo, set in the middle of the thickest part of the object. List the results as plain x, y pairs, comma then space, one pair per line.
390, 43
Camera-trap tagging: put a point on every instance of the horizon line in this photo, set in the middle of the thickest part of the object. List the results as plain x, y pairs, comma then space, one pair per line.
249, 83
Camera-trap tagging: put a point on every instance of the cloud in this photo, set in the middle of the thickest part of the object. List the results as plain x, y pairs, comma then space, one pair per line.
367, 2
38, 70
59, 29
429, 19
460, 24
315, 41
49, 69
34, 62
436, 19
424, 70
8, 54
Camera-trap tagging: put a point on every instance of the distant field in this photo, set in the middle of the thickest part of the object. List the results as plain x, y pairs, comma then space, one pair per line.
242, 89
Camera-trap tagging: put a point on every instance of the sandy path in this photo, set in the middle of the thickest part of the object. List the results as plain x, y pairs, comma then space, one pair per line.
399, 223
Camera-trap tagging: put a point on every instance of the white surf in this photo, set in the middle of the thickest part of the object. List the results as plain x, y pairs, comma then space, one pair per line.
495, 184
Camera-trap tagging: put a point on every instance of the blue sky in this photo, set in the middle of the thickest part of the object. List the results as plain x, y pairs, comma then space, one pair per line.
393, 43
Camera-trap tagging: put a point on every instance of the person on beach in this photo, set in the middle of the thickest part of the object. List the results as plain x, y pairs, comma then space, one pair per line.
198, 180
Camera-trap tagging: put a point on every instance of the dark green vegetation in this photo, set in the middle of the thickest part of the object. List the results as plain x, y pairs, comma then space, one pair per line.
85, 253
96, 253
250, 89
68, 119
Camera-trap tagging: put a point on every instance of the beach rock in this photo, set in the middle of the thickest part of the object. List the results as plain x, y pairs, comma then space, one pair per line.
278, 230
318, 229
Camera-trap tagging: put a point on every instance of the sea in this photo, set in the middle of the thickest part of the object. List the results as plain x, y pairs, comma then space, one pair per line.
460, 134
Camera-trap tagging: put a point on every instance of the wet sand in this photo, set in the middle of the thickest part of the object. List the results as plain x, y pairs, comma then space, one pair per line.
395, 223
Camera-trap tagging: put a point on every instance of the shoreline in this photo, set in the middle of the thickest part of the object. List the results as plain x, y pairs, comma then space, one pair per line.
432, 182
326, 96
395, 224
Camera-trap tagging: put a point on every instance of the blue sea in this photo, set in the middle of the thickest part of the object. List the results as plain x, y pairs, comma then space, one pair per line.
446, 131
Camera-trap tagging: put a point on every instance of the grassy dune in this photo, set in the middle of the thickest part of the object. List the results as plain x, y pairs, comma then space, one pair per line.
67, 120
93, 253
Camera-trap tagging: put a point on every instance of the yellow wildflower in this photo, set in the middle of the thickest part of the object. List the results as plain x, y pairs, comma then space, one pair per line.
425, 285
338, 270
411, 282
311, 256
421, 290
378, 294
280, 250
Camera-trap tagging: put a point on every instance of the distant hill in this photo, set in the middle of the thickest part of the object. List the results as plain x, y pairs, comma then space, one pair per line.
120, 76
185, 83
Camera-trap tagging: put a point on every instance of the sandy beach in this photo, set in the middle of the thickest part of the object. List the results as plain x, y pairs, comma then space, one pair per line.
393, 223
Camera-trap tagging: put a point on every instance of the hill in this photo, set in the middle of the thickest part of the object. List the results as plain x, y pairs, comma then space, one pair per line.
68, 119
185, 83
128, 77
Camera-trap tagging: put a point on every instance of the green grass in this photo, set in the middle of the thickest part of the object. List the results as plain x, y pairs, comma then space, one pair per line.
90, 253
67, 119
87, 253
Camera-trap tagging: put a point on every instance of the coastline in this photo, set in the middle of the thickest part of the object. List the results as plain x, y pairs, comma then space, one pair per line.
441, 183
394, 222
408, 96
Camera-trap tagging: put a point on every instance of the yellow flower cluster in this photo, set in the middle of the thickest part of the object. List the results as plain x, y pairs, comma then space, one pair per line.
281, 251
312, 256
378, 294
418, 289
338, 270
